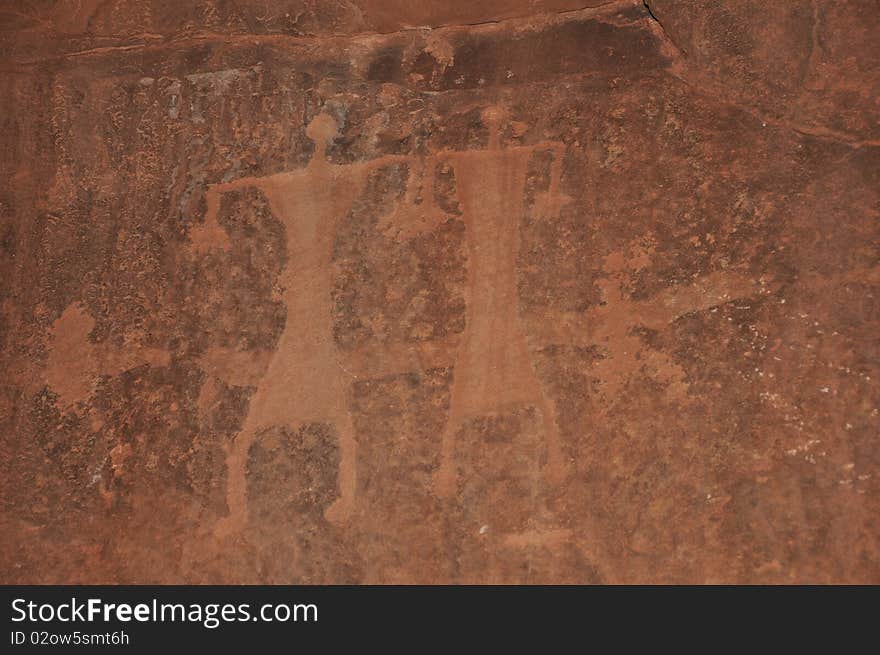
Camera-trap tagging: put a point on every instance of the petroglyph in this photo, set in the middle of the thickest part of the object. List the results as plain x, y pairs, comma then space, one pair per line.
305, 380
702, 311
493, 363
493, 367
611, 324
75, 362
626, 354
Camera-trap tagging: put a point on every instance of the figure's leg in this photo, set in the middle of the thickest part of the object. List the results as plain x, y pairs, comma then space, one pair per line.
237, 453
444, 478
342, 508
557, 467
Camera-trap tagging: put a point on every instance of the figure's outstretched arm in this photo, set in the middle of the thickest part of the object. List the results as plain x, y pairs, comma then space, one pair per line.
372, 164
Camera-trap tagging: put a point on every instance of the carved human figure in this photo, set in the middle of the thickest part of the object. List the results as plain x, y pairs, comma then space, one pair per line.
493, 366
304, 381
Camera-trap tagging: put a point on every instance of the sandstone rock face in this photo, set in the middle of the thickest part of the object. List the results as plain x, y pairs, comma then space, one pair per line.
439, 292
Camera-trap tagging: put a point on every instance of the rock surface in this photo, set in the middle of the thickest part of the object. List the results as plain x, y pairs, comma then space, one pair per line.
378, 291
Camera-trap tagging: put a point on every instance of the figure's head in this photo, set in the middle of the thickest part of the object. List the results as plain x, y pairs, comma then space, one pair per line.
322, 129
493, 116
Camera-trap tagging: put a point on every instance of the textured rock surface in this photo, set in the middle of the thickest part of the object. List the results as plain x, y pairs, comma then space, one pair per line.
377, 291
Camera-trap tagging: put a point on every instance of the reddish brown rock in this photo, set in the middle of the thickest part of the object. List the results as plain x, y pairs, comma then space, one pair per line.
378, 291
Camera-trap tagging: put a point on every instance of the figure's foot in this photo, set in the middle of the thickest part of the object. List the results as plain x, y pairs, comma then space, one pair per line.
444, 481
340, 510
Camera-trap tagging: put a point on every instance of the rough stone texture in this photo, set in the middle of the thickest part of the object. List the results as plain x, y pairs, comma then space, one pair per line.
377, 291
